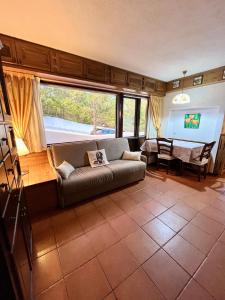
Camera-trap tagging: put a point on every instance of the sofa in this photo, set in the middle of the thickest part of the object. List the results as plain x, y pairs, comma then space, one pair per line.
85, 182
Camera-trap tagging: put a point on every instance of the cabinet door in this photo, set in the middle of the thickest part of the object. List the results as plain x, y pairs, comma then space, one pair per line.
8, 53
97, 71
135, 81
160, 86
149, 84
67, 64
33, 56
118, 76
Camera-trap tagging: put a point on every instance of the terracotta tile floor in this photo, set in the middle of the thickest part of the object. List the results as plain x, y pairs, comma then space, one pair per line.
161, 238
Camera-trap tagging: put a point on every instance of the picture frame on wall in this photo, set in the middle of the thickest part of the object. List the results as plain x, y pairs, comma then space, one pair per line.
176, 84
223, 74
198, 80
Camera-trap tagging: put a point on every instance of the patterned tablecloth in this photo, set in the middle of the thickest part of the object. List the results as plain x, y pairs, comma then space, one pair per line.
185, 151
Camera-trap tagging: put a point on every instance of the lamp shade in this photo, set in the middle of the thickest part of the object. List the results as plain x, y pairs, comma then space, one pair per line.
181, 99
21, 147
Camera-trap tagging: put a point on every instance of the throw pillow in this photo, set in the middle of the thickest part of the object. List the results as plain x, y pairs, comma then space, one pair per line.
128, 155
65, 169
97, 158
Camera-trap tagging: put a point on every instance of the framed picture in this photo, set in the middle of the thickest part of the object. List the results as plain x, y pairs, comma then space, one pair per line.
223, 74
176, 84
198, 80
192, 121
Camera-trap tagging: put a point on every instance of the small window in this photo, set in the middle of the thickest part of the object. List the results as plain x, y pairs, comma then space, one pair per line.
143, 117
129, 107
72, 114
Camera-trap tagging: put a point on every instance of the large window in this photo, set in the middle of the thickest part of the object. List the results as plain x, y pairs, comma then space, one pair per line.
134, 116
143, 116
72, 114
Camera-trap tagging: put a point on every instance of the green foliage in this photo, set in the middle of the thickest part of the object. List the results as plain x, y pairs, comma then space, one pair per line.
81, 106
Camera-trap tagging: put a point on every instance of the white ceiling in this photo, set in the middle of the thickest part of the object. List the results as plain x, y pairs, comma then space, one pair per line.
158, 38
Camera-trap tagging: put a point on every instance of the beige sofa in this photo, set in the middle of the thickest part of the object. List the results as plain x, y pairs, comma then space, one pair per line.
86, 182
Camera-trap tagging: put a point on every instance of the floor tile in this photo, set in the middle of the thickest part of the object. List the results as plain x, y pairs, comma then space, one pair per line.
208, 225
141, 245
125, 203
139, 197
111, 296
43, 237
198, 238
102, 237
102, 200
110, 210
212, 279
172, 220
85, 208
46, 272
168, 276
214, 214
87, 282
158, 231
222, 237
91, 220
55, 292
184, 211
140, 215
184, 253
123, 225
154, 207
75, 253
138, 286
193, 291
117, 263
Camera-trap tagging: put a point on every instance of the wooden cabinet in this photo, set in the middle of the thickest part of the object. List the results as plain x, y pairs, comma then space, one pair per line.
118, 76
149, 84
160, 86
96, 71
33, 55
135, 81
67, 64
8, 52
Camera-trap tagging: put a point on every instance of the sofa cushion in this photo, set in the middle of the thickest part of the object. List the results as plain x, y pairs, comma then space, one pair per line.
74, 153
87, 178
114, 148
127, 170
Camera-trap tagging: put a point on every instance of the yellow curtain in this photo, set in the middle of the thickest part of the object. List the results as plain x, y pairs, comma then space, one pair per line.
154, 116
23, 94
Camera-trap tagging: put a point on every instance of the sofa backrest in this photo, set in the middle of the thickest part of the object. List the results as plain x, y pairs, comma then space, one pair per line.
74, 153
114, 148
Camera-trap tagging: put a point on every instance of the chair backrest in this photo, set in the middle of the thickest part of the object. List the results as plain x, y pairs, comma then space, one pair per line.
165, 146
206, 151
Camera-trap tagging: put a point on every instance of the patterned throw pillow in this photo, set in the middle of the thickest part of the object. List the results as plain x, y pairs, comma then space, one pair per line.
97, 158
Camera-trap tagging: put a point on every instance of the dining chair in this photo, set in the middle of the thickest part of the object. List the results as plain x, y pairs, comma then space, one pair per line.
202, 161
165, 152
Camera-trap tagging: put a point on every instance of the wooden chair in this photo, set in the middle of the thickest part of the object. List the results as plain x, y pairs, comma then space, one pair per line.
165, 152
202, 161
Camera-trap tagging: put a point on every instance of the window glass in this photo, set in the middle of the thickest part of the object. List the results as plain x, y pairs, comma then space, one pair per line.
72, 114
128, 116
143, 116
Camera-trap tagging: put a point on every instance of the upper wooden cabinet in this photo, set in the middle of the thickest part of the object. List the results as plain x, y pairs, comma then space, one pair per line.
8, 52
160, 86
33, 55
96, 71
67, 64
135, 81
149, 84
118, 76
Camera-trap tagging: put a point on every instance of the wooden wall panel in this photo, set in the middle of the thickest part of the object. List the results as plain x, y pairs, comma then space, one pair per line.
209, 77
24, 54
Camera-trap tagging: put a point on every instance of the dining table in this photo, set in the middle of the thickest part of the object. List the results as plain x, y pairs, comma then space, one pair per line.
186, 151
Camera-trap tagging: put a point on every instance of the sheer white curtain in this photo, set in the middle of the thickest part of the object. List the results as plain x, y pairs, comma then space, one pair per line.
24, 100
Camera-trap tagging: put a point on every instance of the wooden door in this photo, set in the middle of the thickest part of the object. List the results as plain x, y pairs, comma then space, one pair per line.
67, 64
97, 71
33, 56
8, 53
118, 76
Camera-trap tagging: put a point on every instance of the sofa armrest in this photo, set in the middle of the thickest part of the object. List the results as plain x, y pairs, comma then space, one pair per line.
51, 163
144, 158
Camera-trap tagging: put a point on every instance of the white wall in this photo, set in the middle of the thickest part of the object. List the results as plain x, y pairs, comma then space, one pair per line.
207, 100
